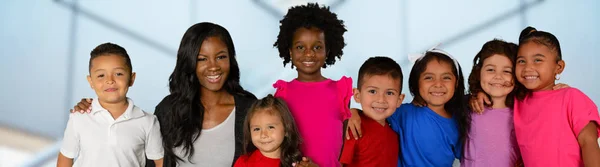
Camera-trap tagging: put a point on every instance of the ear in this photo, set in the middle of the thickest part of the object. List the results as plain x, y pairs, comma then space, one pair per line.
561, 66
89, 79
356, 93
400, 99
132, 79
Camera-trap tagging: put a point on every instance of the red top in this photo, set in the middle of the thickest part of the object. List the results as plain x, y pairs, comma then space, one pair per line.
256, 159
378, 146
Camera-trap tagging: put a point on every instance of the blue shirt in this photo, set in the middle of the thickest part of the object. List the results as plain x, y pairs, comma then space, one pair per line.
426, 138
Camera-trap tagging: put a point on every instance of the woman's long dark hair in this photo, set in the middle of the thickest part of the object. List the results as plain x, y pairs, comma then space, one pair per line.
290, 147
182, 123
455, 106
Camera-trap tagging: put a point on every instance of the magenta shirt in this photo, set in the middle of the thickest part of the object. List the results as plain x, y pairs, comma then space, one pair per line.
547, 124
491, 140
319, 109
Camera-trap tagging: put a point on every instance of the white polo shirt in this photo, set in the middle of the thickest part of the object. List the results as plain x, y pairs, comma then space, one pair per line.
96, 139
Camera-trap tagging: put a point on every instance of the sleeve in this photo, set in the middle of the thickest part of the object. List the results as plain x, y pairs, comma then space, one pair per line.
395, 118
241, 162
70, 144
154, 149
581, 111
280, 87
348, 150
344, 86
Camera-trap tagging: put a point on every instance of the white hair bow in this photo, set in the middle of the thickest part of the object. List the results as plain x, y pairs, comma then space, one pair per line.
418, 56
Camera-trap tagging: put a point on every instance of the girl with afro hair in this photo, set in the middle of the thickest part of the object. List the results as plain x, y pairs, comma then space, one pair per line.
311, 38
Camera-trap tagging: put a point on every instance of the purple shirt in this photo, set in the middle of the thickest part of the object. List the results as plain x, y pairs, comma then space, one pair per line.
492, 140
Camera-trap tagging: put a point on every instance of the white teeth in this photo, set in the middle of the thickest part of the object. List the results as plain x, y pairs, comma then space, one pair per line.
213, 76
531, 77
308, 63
379, 109
437, 94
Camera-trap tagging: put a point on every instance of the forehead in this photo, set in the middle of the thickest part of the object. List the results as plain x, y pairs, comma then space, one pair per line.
498, 60
108, 60
265, 116
532, 48
304, 33
211, 44
382, 81
437, 66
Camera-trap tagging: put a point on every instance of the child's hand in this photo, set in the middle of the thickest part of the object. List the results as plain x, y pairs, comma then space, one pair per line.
85, 105
560, 86
354, 125
477, 102
306, 162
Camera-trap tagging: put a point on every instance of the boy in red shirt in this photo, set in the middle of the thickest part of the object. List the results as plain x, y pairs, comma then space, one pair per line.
379, 91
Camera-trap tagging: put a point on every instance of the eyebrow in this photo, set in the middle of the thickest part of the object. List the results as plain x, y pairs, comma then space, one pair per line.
101, 69
223, 51
536, 55
372, 87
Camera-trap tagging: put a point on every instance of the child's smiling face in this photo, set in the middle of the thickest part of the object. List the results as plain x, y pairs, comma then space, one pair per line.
437, 83
537, 66
497, 76
308, 50
110, 78
267, 132
379, 96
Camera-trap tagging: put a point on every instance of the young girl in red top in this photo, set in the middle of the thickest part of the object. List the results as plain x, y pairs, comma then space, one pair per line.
271, 138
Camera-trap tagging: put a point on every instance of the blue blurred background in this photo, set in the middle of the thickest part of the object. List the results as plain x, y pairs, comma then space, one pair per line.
45, 47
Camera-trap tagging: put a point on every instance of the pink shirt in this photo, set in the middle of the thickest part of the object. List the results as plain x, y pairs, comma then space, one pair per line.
319, 109
547, 124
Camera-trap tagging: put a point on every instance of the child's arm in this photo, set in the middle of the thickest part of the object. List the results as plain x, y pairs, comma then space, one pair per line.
154, 149
63, 161
353, 125
477, 102
588, 141
85, 105
70, 145
158, 162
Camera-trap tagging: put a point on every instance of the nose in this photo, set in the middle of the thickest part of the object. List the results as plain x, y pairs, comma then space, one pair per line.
309, 52
379, 97
528, 66
437, 83
264, 134
110, 79
213, 65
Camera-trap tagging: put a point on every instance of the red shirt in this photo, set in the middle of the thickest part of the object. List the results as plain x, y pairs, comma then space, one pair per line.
256, 159
378, 146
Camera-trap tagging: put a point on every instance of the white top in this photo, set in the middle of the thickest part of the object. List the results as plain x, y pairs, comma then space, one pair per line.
215, 147
96, 139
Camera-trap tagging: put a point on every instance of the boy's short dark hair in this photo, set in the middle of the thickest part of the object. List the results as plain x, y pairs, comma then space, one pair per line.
380, 66
110, 48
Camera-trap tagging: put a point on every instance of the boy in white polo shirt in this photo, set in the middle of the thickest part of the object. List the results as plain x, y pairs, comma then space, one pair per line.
116, 132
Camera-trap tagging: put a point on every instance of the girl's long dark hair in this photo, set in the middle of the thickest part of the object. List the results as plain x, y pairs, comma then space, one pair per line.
181, 124
290, 147
456, 105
